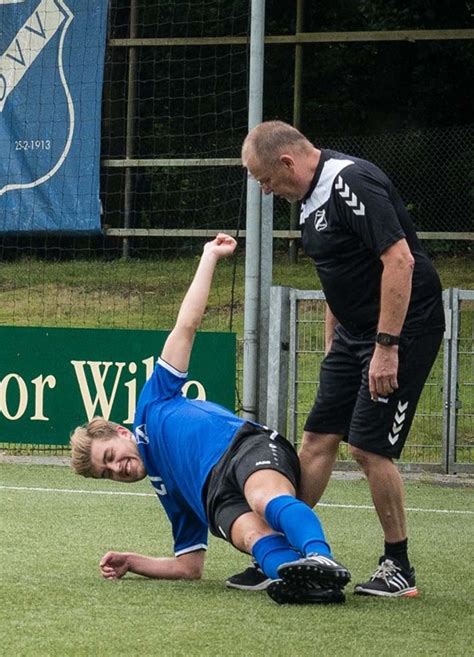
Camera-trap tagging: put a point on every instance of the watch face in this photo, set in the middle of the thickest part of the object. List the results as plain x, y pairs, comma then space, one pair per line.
386, 339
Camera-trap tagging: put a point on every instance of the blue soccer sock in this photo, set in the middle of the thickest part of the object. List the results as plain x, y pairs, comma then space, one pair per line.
298, 523
271, 551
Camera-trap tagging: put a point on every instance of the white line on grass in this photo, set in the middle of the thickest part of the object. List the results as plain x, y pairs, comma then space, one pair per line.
116, 492
75, 490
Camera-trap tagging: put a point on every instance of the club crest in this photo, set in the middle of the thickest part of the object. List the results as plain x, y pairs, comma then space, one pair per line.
141, 436
320, 221
36, 105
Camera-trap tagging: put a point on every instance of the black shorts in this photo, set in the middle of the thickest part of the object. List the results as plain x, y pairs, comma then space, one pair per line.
253, 448
343, 404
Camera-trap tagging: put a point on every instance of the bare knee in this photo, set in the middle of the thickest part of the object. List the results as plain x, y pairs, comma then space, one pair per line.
317, 445
247, 530
264, 485
252, 536
367, 460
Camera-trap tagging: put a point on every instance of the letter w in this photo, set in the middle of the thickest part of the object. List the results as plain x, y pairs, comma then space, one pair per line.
98, 378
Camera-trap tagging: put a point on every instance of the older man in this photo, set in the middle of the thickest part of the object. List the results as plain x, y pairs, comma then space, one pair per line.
384, 325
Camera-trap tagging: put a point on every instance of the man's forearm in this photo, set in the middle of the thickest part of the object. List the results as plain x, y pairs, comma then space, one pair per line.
395, 289
185, 567
395, 293
195, 301
178, 346
394, 299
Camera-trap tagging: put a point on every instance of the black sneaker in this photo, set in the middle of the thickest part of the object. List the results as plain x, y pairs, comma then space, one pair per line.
286, 593
390, 580
318, 569
251, 579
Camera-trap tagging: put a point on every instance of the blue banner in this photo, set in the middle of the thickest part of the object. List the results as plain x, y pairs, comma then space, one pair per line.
51, 74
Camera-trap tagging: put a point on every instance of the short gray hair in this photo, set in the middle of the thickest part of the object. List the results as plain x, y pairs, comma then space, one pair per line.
271, 138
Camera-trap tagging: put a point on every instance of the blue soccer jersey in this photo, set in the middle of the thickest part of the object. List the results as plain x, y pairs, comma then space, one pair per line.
180, 440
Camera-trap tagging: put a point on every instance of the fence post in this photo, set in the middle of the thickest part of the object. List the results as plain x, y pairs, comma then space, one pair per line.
297, 104
292, 366
266, 270
130, 126
278, 344
453, 381
448, 314
253, 222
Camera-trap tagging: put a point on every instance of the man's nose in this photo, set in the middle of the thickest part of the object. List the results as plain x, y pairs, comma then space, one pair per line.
114, 467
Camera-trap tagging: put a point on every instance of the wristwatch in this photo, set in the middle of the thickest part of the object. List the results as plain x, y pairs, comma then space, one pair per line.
386, 339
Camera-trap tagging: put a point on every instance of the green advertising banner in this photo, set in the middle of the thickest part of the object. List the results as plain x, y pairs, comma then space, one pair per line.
52, 380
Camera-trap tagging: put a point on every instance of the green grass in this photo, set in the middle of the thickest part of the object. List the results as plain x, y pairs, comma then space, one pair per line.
146, 293
55, 604
118, 294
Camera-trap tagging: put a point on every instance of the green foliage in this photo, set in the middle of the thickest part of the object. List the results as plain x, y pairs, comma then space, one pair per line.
362, 88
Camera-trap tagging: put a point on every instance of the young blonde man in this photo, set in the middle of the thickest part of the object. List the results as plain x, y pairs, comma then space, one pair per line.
211, 471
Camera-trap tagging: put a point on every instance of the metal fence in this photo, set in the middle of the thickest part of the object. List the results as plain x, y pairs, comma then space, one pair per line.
442, 434
178, 99
410, 158
459, 403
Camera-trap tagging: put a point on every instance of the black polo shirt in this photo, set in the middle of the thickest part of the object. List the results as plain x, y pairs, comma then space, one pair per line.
351, 214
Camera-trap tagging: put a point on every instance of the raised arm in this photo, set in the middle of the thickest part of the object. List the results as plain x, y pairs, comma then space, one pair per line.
179, 344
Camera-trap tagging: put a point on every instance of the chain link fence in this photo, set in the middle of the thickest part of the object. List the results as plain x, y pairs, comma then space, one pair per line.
433, 169
460, 407
442, 435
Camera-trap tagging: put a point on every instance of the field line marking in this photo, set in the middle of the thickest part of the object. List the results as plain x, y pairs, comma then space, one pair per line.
408, 508
75, 490
114, 492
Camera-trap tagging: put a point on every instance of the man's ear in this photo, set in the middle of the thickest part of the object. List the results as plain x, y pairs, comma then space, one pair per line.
287, 161
123, 432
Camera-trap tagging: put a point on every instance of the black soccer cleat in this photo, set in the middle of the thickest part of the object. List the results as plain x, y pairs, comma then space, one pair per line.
286, 593
318, 569
251, 579
390, 580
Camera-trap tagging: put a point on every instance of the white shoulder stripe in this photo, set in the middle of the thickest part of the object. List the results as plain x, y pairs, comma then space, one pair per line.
172, 369
322, 191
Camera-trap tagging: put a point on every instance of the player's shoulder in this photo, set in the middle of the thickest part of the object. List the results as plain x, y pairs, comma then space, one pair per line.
331, 165
165, 368
361, 171
163, 383
334, 163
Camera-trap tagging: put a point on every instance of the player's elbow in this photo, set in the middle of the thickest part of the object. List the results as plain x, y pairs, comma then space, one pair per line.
408, 261
399, 259
188, 326
192, 572
403, 260
190, 566
195, 574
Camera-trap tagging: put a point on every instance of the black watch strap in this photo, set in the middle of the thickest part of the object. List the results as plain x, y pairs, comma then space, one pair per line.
386, 339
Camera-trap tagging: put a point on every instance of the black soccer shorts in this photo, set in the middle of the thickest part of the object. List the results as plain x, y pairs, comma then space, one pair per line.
253, 448
343, 405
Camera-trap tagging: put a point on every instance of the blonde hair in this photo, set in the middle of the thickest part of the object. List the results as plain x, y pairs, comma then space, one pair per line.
81, 441
268, 140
